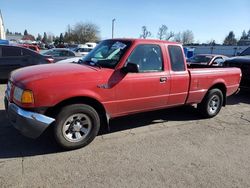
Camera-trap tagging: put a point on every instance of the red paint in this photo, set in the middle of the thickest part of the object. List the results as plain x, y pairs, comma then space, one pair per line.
122, 94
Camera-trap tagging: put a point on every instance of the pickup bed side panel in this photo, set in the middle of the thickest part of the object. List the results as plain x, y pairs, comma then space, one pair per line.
204, 79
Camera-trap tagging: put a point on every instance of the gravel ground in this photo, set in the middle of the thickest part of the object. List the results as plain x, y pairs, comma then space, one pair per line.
167, 148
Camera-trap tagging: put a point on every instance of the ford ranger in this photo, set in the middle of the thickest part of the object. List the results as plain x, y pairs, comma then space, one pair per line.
117, 78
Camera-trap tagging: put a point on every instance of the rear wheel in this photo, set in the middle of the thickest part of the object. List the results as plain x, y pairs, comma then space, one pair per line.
76, 126
211, 104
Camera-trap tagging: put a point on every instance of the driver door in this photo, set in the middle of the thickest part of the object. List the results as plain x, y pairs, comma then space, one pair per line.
149, 88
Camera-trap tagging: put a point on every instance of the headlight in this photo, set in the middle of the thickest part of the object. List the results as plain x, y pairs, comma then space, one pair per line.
23, 96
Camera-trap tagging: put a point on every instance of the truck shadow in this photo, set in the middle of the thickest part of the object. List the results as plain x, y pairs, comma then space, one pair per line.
13, 144
242, 97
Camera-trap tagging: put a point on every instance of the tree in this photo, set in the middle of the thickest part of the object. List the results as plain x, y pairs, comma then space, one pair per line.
244, 35
56, 41
39, 37
7, 31
68, 35
25, 32
28, 37
145, 33
187, 37
248, 34
61, 39
45, 38
230, 40
85, 32
163, 33
211, 42
177, 37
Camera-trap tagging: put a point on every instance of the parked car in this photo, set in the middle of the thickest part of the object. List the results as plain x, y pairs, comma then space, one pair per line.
61, 53
14, 57
91, 44
70, 60
206, 60
243, 62
30, 46
83, 50
119, 77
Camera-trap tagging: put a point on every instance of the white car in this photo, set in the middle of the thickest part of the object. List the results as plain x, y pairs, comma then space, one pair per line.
85, 48
70, 60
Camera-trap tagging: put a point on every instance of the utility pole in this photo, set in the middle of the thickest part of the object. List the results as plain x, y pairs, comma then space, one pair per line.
113, 27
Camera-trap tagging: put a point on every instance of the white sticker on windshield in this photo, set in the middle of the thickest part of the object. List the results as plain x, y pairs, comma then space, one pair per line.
119, 45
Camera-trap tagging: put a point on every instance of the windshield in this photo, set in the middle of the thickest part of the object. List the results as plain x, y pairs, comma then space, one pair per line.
245, 52
107, 54
200, 59
48, 52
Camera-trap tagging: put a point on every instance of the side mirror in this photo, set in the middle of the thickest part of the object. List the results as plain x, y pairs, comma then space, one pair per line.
130, 67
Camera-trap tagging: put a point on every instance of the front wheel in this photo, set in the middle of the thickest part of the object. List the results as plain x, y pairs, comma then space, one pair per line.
211, 104
76, 126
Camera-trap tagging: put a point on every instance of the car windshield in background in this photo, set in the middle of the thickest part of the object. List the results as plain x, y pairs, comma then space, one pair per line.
48, 52
245, 52
200, 59
107, 54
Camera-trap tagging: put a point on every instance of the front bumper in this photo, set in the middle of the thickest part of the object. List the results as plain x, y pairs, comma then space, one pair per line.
30, 124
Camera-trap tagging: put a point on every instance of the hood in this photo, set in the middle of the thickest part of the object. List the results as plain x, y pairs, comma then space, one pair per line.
238, 59
40, 72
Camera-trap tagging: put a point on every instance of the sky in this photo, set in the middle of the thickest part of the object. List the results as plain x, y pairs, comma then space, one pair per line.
209, 20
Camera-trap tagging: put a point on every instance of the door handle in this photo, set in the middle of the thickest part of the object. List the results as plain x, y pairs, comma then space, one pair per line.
163, 79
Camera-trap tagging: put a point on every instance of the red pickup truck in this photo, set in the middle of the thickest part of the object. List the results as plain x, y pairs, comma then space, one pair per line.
119, 77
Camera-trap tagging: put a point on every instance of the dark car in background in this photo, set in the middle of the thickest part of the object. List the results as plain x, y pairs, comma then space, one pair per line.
61, 53
241, 61
206, 60
14, 57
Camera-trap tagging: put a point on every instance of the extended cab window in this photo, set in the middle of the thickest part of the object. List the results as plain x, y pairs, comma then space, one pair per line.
148, 58
176, 58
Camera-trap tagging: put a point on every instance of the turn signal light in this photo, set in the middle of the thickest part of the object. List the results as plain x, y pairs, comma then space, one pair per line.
27, 97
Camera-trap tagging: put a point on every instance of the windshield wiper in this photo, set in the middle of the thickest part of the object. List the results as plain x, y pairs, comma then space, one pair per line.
91, 63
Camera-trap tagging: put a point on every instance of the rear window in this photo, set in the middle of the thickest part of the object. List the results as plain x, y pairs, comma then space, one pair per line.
27, 52
176, 58
10, 51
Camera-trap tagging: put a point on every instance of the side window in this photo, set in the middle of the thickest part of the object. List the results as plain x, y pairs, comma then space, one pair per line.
63, 53
147, 57
11, 51
176, 58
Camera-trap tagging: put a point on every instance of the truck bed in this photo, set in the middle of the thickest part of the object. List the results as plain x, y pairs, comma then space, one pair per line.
203, 78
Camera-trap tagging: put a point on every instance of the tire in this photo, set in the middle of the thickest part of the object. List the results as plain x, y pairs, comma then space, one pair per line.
211, 104
76, 126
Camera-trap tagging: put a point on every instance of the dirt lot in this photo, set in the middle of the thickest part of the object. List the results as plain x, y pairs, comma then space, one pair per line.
167, 148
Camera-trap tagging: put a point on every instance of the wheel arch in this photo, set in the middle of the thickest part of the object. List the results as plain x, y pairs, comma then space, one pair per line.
97, 105
221, 86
